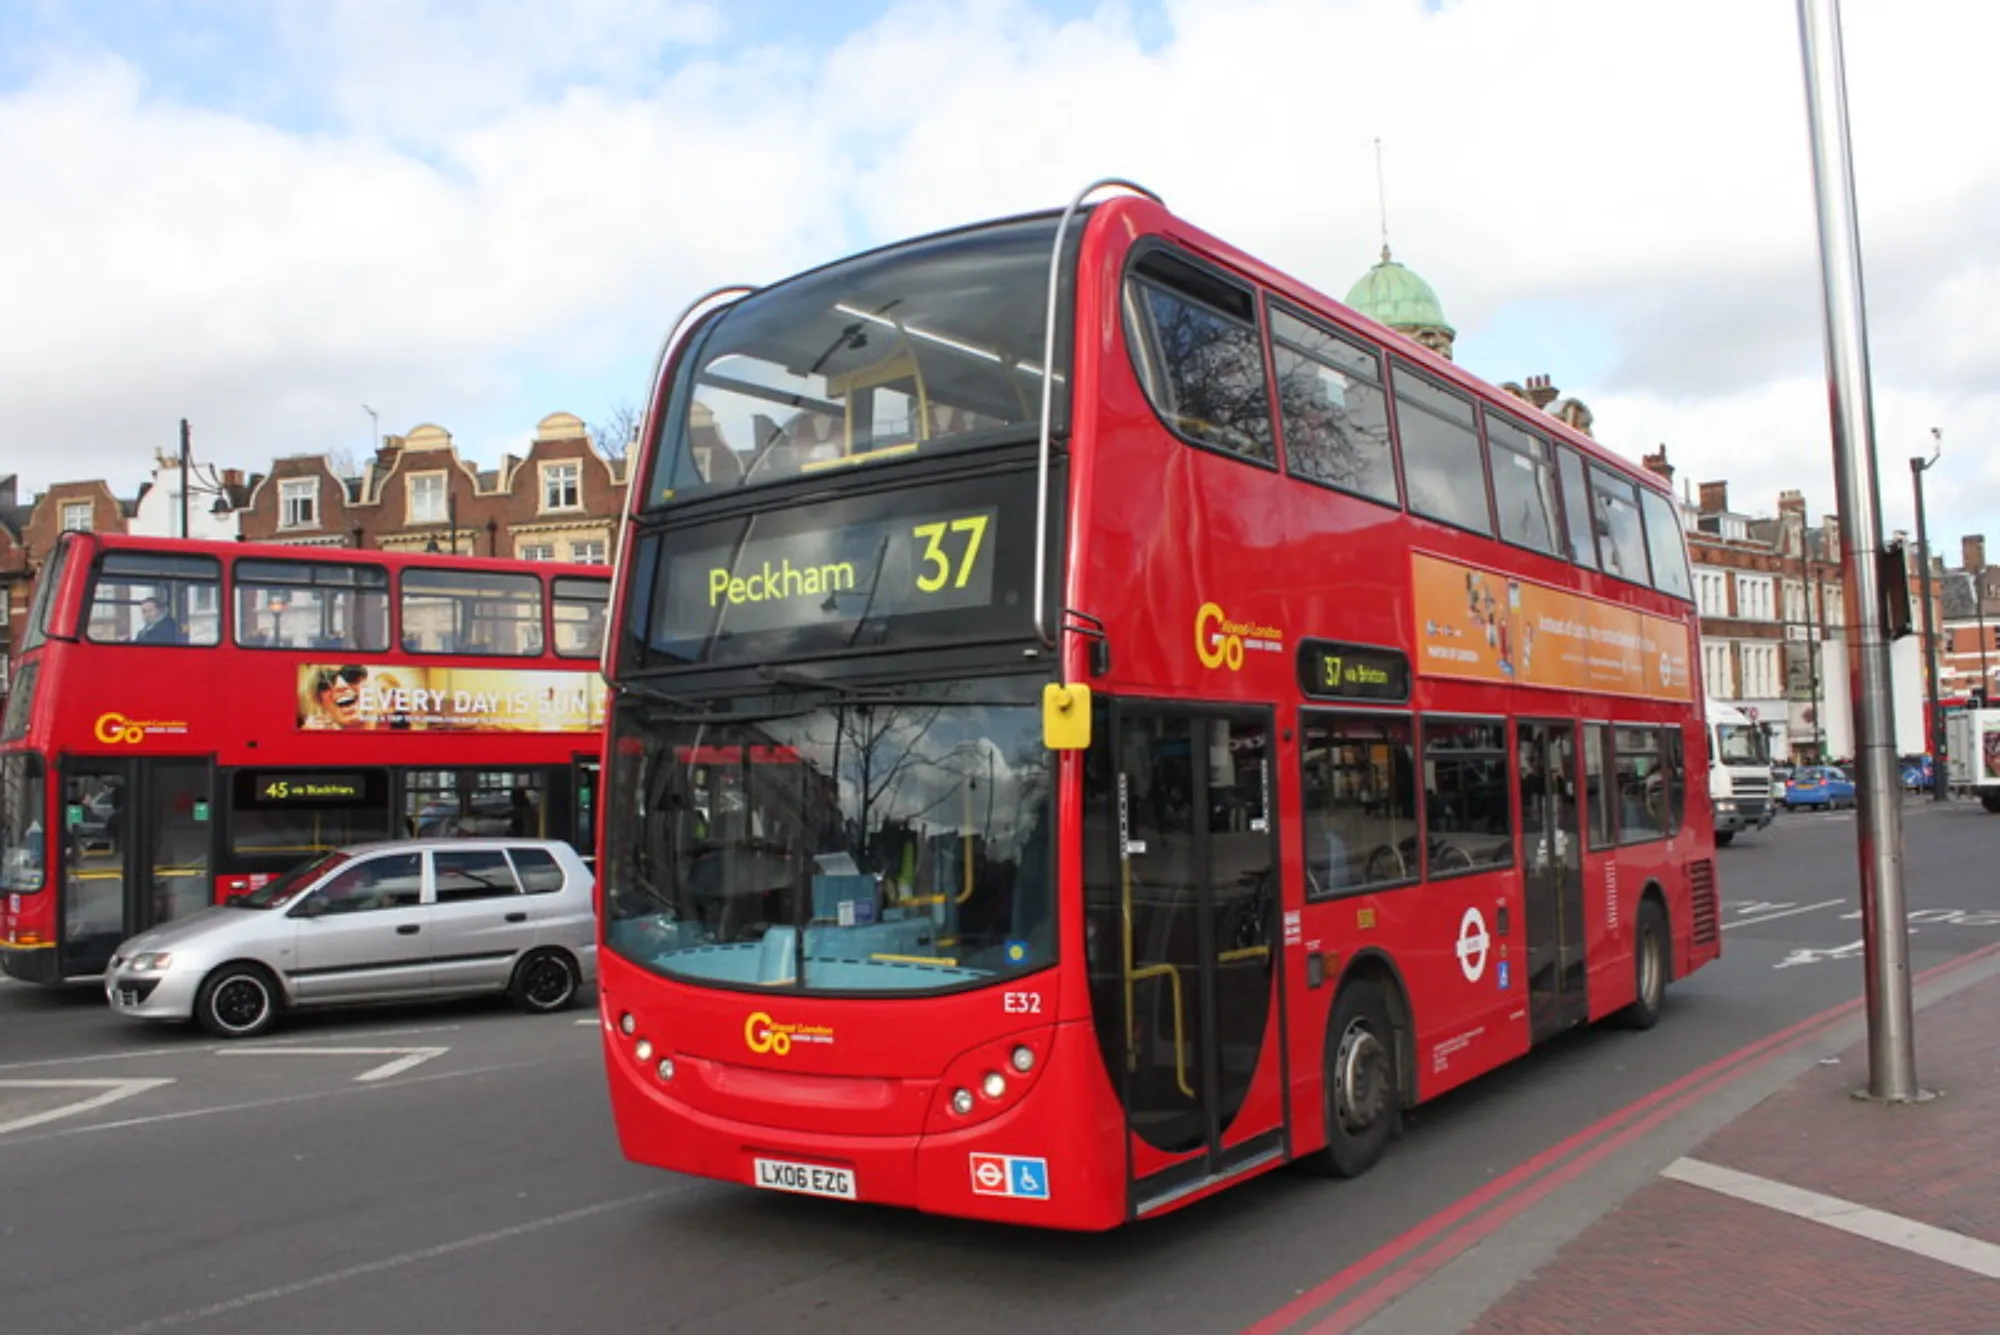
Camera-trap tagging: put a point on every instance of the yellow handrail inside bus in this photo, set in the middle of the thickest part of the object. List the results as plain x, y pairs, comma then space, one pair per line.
1173, 975
1243, 953
967, 892
917, 959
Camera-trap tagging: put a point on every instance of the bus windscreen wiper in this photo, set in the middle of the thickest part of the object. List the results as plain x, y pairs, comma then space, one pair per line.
790, 676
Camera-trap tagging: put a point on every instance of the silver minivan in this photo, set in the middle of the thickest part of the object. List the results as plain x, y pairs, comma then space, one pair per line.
420, 919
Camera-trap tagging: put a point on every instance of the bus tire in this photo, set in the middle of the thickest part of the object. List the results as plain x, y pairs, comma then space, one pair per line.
544, 982
1652, 965
1363, 1084
1991, 801
238, 1001
1722, 838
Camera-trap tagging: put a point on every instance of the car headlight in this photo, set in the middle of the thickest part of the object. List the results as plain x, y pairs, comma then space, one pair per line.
154, 961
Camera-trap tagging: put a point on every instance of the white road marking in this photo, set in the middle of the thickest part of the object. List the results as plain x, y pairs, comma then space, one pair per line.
405, 1057
246, 1046
109, 1091
397, 1262
1939, 1244
1809, 955
1786, 913
255, 1105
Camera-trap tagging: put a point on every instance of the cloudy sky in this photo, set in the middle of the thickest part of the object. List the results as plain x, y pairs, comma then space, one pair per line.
476, 212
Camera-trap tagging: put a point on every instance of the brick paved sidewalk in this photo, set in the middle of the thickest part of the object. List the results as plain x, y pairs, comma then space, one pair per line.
1739, 1234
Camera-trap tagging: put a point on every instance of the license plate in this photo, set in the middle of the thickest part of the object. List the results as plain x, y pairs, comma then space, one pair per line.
807, 1179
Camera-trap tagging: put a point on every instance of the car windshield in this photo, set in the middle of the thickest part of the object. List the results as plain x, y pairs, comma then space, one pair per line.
275, 894
1741, 744
935, 345
854, 847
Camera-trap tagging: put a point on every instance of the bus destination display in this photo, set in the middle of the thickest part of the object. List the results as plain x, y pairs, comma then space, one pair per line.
889, 568
1329, 670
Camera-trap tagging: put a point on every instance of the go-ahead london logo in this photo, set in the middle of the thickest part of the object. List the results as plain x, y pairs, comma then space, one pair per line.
1221, 643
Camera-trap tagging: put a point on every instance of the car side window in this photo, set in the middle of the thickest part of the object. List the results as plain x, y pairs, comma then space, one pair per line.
474, 874
540, 873
392, 881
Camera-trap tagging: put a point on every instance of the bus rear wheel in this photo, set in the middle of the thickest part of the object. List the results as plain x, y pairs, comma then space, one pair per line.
1652, 962
1363, 1083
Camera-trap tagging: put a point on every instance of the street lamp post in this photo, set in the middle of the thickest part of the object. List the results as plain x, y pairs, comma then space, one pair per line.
1892, 1055
1940, 782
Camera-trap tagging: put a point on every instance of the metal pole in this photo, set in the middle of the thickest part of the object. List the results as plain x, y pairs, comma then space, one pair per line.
1940, 785
1892, 1065
1815, 629
186, 462
1979, 620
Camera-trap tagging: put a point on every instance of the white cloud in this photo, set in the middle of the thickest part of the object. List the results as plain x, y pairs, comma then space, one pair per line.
504, 204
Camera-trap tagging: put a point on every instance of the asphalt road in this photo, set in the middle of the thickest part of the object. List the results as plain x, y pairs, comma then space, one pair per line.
454, 1169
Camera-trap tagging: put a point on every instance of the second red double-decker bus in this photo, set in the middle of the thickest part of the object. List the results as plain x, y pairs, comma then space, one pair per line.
1094, 719
190, 718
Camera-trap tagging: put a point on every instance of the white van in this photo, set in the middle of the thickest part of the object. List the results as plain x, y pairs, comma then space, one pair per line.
1739, 772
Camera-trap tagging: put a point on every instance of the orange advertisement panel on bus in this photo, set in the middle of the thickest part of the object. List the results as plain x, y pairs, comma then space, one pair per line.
362, 697
1482, 625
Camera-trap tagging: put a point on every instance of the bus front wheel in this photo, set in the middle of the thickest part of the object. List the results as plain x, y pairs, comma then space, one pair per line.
1363, 1084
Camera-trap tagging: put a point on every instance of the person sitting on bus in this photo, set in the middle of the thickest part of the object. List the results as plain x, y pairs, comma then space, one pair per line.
159, 625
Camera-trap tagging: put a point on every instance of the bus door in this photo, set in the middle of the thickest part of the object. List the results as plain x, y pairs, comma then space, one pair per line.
1183, 915
1552, 843
137, 851
584, 807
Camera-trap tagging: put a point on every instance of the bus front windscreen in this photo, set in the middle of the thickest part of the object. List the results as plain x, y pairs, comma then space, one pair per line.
935, 345
1741, 744
856, 847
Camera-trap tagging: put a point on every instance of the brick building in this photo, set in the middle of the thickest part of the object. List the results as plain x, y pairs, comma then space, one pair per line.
559, 502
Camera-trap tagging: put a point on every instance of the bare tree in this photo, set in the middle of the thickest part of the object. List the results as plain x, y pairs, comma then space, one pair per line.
617, 432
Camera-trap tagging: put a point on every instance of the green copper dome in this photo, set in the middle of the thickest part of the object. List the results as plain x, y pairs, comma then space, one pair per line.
1398, 298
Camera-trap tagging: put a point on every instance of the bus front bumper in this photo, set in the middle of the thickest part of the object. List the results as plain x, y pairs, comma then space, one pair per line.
1046, 1161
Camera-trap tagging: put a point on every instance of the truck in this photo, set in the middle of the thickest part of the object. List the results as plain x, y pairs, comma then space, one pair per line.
1739, 772
1972, 754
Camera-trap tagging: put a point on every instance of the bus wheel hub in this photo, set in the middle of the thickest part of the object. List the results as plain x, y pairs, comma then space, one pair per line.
1360, 1078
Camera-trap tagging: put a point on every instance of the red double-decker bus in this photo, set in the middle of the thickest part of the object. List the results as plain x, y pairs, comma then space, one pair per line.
190, 718
1094, 719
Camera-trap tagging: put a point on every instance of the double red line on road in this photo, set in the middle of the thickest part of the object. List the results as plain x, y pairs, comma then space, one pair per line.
1447, 1234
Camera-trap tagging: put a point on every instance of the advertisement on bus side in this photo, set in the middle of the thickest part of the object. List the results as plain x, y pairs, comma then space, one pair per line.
1483, 625
361, 697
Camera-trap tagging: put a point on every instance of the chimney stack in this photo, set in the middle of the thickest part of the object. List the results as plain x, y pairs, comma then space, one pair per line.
1792, 503
1658, 464
1972, 548
1540, 392
1714, 497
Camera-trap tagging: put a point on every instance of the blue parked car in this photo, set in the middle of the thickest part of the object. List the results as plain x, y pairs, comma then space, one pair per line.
1819, 786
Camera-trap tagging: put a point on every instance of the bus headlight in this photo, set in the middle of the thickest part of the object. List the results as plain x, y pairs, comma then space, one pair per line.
961, 1102
666, 1068
626, 1024
644, 1052
994, 1085
1023, 1059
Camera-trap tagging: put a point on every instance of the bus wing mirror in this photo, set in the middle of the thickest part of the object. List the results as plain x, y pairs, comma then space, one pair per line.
1065, 717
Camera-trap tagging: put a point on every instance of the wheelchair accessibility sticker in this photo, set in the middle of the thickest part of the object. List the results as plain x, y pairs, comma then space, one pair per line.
1010, 1175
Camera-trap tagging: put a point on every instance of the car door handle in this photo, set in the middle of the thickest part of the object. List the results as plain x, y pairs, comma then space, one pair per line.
409, 929
517, 917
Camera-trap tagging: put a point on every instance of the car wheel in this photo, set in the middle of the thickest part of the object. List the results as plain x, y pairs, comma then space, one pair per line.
545, 981
237, 1001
